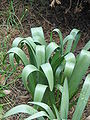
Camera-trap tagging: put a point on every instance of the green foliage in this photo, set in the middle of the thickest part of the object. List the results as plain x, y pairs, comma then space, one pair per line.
49, 113
50, 70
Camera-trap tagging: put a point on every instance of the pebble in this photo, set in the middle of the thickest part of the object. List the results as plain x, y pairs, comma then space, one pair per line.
88, 118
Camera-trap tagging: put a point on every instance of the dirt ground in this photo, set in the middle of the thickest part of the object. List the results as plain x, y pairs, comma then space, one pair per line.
40, 14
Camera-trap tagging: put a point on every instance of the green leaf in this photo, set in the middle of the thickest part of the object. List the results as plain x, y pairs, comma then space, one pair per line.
19, 53
31, 49
59, 87
29, 69
83, 99
57, 113
76, 34
39, 92
38, 115
47, 69
31, 42
69, 66
87, 46
60, 38
56, 61
68, 38
20, 109
80, 69
1, 111
40, 55
69, 45
65, 101
17, 41
2, 94
50, 49
58, 73
45, 107
38, 35
14, 44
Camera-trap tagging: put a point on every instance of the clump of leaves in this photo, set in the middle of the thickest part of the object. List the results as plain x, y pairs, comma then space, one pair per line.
52, 74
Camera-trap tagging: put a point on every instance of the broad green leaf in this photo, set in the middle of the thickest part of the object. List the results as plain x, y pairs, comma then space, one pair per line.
20, 109
40, 55
30, 42
14, 44
38, 35
64, 101
57, 113
82, 64
68, 38
31, 49
45, 107
17, 41
38, 115
19, 53
58, 73
47, 69
29, 69
80, 69
60, 38
87, 46
69, 66
83, 99
11, 59
76, 34
69, 46
70, 57
56, 61
39, 92
50, 49
55, 57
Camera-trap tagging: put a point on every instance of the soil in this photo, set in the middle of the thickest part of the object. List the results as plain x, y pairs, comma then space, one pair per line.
41, 14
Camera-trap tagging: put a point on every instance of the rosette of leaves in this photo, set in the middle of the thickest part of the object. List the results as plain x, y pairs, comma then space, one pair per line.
52, 74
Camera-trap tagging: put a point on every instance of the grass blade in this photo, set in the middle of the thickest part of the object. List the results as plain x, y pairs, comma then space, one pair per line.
87, 46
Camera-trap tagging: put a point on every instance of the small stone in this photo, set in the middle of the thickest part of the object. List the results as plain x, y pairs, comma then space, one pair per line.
7, 92
88, 118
